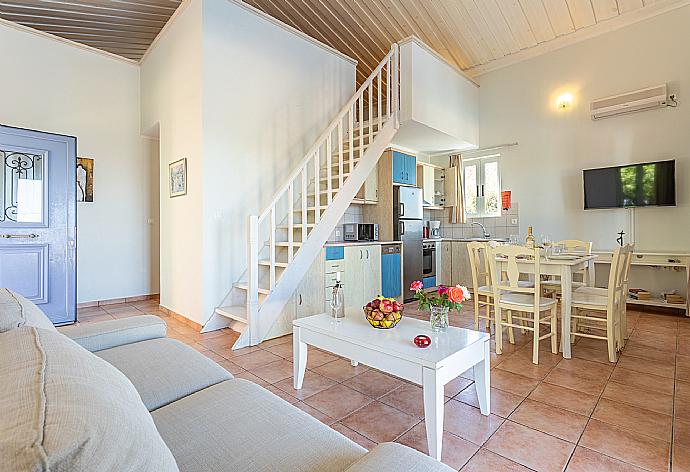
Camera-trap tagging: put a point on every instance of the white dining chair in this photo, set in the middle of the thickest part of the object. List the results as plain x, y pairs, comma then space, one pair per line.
511, 296
610, 307
481, 282
623, 315
571, 246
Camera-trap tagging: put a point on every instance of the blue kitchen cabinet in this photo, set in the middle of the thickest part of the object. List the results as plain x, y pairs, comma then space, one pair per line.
391, 275
429, 282
334, 253
404, 168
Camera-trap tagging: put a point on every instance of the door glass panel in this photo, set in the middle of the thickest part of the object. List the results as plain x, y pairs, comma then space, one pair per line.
21, 187
470, 181
492, 189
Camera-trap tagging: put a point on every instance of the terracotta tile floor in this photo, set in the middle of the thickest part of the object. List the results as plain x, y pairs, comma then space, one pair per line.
583, 414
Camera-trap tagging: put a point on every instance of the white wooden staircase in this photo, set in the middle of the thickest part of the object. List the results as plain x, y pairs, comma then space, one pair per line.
286, 238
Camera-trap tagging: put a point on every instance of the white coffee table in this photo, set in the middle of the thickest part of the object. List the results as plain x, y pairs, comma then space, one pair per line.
393, 351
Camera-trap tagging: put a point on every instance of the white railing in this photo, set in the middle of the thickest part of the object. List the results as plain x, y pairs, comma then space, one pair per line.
262, 228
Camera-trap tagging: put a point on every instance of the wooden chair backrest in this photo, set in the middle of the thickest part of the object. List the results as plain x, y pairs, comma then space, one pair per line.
576, 245
479, 265
514, 255
618, 276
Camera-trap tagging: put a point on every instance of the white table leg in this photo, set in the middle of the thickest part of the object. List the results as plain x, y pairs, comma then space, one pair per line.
433, 411
482, 382
591, 276
299, 352
354, 363
566, 302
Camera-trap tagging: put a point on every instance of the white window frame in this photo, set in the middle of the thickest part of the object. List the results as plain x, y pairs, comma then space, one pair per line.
480, 162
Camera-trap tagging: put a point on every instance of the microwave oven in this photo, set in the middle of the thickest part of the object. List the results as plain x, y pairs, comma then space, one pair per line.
360, 232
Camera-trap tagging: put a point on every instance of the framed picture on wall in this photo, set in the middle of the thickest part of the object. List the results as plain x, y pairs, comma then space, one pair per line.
84, 179
178, 177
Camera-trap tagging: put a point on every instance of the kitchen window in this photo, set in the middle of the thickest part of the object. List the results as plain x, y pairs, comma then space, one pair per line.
482, 185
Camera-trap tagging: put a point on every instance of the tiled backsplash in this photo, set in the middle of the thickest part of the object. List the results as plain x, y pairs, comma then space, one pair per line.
499, 227
352, 215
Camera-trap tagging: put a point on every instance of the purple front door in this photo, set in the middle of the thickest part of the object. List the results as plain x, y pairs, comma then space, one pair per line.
38, 219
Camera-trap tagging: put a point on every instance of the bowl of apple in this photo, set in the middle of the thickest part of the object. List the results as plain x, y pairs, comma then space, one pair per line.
383, 313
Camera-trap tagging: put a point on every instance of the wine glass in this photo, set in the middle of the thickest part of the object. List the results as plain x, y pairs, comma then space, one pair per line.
547, 243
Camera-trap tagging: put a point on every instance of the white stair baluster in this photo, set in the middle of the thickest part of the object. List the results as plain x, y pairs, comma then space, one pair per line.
317, 186
388, 88
351, 138
291, 220
272, 246
304, 203
360, 104
329, 168
340, 155
371, 111
378, 102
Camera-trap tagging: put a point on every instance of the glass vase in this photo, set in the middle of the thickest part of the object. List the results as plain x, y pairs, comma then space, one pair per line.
439, 318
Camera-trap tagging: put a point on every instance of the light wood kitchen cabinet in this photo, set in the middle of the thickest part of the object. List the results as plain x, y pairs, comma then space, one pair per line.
443, 270
306, 301
308, 298
369, 192
362, 274
461, 273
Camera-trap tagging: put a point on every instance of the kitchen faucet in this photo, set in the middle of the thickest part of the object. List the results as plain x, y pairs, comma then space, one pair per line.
486, 235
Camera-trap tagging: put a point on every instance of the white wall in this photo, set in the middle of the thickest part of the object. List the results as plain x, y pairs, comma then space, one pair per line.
545, 170
57, 87
439, 106
268, 94
171, 91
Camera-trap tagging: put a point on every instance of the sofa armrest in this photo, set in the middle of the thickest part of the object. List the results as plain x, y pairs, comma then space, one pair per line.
394, 456
106, 334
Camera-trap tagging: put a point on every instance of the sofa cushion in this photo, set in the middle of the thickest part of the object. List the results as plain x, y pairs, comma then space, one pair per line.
394, 456
111, 333
164, 370
237, 425
16, 311
64, 409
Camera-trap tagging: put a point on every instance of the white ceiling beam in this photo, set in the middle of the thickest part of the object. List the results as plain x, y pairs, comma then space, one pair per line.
538, 20
604, 9
581, 12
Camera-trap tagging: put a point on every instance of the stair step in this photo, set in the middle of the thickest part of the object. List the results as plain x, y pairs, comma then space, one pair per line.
267, 263
236, 312
346, 162
334, 177
310, 208
244, 286
299, 225
287, 244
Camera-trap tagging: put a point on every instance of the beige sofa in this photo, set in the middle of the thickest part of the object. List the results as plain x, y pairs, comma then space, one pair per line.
120, 396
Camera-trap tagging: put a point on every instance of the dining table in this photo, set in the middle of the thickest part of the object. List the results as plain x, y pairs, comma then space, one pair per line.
563, 266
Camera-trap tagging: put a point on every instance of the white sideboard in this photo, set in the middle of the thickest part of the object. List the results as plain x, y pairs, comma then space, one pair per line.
668, 271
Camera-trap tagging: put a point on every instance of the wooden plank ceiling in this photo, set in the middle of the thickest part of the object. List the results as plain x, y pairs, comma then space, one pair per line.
123, 27
468, 33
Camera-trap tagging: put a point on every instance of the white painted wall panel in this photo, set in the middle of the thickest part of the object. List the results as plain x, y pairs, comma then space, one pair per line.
57, 87
545, 171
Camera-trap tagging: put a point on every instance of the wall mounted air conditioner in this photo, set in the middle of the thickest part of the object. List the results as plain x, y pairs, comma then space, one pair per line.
630, 102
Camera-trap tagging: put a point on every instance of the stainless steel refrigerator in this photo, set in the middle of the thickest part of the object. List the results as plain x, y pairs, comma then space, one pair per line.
407, 227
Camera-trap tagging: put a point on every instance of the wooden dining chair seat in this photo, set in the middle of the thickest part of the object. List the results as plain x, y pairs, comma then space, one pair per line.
517, 301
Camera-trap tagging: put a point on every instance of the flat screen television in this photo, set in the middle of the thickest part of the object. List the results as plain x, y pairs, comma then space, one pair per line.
637, 185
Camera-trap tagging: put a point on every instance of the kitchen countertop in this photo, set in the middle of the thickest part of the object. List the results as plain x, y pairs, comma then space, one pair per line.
360, 243
464, 240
